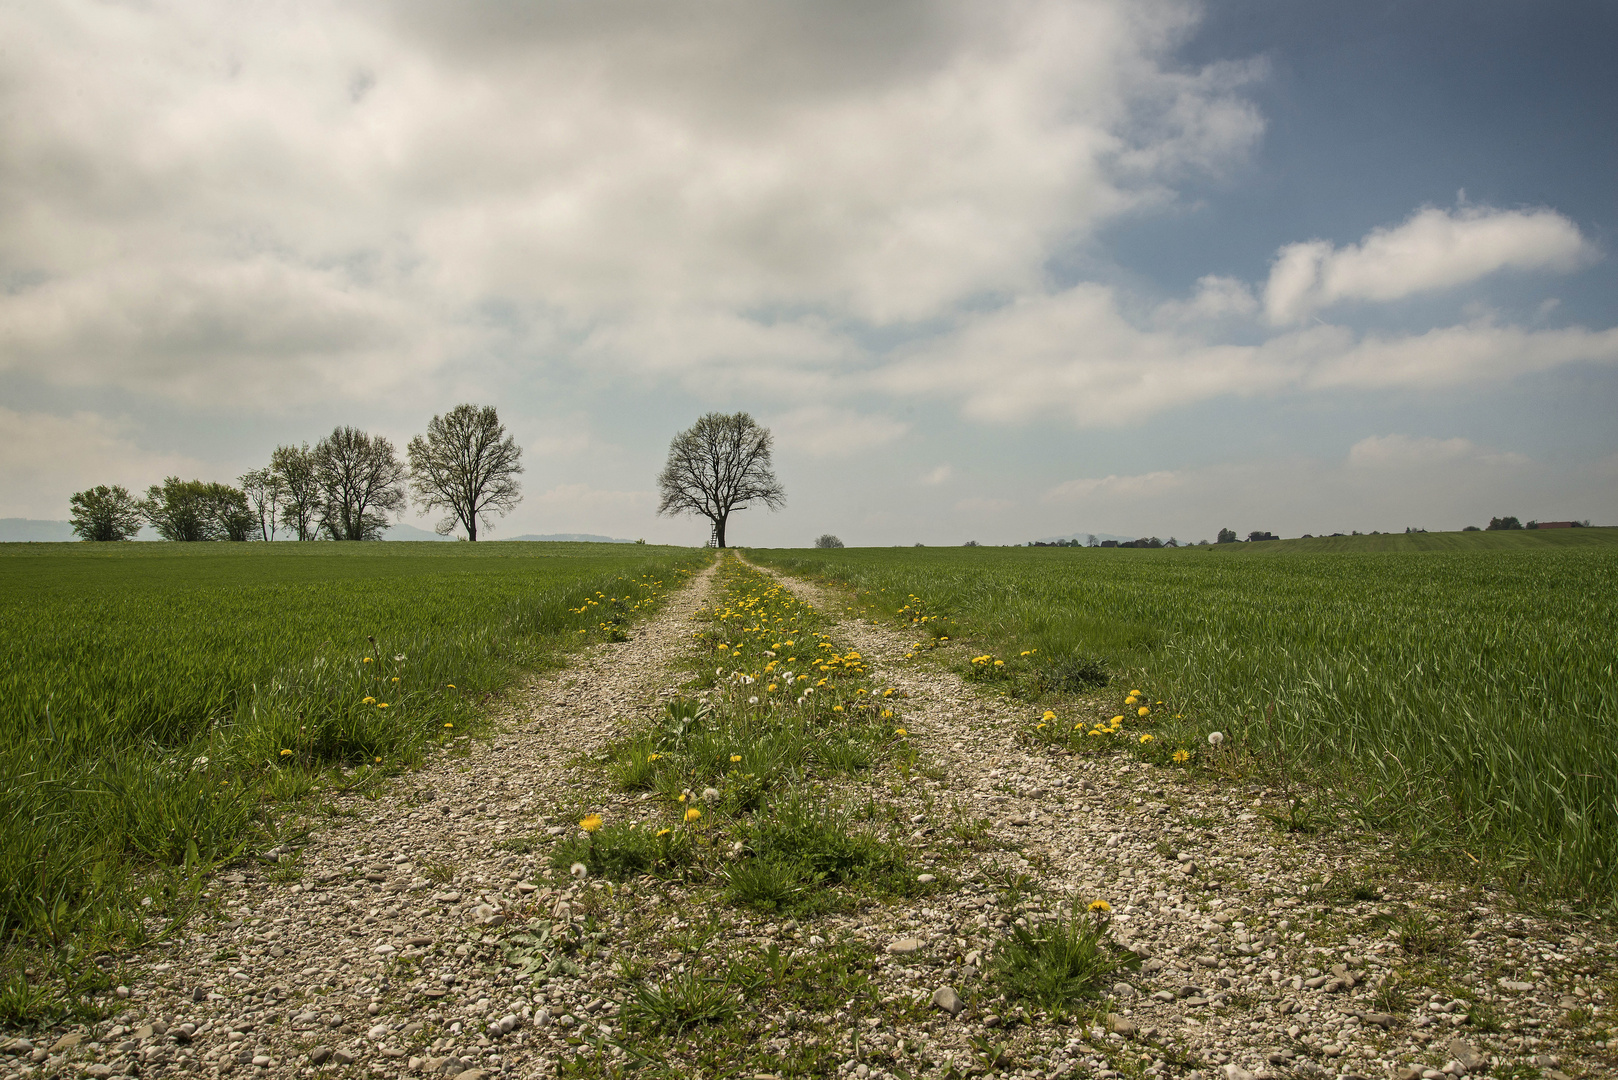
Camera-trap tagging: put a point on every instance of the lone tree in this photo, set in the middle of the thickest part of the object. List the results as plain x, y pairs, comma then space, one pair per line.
106, 513
827, 540
362, 481
468, 465
721, 465
293, 467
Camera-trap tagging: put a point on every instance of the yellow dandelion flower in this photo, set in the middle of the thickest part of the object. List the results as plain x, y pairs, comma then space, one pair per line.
735, 758
664, 832
1049, 716
836, 708
772, 688
590, 822
285, 753
367, 700
450, 685
901, 732
367, 660
381, 704
1100, 907
887, 714
1143, 711
1116, 720
1144, 739
449, 725
1181, 757
692, 813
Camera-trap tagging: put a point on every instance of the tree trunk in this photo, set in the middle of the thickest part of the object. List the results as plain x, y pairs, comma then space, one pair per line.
719, 525
472, 529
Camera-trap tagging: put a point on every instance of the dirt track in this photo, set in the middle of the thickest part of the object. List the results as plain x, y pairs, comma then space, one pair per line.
1264, 951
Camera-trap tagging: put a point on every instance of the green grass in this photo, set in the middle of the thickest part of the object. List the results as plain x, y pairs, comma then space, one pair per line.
156, 697
1057, 963
1460, 688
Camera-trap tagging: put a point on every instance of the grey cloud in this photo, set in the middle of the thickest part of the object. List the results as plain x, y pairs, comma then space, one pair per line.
588, 169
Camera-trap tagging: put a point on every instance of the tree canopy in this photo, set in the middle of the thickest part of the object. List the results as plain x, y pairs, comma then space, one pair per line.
362, 481
106, 513
717, 467
468, 465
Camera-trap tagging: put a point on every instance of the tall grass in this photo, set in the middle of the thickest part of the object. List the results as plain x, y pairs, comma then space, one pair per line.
1467, 696
155, 696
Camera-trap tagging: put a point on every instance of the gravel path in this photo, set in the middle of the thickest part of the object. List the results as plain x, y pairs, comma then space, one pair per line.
1264, 949
386, 948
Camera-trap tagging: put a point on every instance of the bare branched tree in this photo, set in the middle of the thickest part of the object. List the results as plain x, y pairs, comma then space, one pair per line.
363, 481
468, 465
721, 465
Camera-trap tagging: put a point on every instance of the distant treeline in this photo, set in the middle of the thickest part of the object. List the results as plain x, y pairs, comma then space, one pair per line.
347, 487
1229, 536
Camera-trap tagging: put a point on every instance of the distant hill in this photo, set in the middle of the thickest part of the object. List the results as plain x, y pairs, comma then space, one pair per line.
33, 531
572, 538
402, 531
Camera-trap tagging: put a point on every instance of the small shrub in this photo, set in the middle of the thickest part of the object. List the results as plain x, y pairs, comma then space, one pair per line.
1057, 963
617, 852
683, 1001
765, 884
1070, 673
1422, 936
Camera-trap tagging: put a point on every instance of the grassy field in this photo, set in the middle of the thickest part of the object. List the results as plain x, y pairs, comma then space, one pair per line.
156, 697
1459, 688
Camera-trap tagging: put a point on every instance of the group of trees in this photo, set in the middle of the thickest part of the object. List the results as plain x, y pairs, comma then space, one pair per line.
347, 487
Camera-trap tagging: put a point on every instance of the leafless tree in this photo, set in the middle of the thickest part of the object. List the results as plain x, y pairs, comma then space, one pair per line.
468, 465
362, 480
721, 465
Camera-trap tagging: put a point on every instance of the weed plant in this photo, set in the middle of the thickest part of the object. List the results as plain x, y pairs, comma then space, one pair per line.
1055, 964
1458, 689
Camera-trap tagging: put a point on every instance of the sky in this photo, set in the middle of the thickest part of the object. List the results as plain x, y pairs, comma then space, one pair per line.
988, 272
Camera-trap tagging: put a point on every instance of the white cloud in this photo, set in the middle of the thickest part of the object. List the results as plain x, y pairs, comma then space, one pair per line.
45, 458
1145, 485
1410, 452
824, 432
1074, 355
940, 475
1433, 249
1215, 298
201, 203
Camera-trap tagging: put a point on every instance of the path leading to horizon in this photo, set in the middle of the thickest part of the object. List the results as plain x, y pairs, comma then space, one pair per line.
389, 945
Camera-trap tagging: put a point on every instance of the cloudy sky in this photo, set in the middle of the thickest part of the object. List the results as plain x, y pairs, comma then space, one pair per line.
989, 271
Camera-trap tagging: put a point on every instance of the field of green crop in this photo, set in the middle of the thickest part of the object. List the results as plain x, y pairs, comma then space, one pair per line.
1462, 691
156, 697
